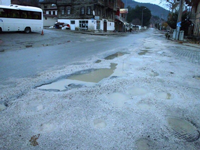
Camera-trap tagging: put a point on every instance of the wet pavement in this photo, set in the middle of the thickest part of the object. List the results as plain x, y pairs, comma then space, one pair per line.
146, 99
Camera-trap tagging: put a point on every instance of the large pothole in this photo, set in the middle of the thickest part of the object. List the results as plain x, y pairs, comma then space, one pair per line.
183, 129
79, 79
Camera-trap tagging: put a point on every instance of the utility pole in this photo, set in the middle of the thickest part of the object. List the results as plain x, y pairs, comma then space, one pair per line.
178, 26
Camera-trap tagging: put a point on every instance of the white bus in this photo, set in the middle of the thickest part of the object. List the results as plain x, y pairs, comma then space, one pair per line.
21, 18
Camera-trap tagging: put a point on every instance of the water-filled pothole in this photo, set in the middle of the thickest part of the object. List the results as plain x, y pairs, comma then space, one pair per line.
144, 144
143, 52
183, 129
79, 79
98, 61
99, 123
2, 107
196, 77
118, 54
163, 95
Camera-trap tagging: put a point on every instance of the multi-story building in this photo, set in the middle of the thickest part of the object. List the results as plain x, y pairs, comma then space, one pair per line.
86, 14
120, 17
195, 15
50, 12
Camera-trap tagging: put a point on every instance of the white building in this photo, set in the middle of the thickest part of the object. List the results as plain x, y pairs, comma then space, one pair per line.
5, 2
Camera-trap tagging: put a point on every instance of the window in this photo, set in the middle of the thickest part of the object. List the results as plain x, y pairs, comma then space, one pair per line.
62, 10
3, 13
82, 10
72, 22
89, 10
54, 12
68, 10
11, 13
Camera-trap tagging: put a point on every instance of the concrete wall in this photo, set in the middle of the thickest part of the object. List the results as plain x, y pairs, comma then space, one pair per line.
5, 2
49, 21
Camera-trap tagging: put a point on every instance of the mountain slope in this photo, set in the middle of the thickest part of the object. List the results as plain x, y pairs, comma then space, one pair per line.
155, 9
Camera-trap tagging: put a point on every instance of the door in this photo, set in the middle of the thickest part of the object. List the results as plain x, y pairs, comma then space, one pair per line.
105, 26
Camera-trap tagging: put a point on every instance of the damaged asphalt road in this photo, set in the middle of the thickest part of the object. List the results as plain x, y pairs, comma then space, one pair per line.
147, 98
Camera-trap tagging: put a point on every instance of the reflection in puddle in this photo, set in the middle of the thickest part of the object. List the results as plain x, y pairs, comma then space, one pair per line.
77, 80
183, 129
143, 52
95, 75
118, 54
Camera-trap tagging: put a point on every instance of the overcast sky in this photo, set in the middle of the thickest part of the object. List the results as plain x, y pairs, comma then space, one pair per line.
149, 1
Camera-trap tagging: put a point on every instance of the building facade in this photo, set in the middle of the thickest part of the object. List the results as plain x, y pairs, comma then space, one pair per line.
88, 14
50, 12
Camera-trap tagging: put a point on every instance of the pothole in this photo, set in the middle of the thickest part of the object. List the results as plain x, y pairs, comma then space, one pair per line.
196, 77
118, 54
98, 61
99, 123
117, 99
137, 91
2, 107
144, 144
80, 79
154, 74
143, 52
183, 129
163, 95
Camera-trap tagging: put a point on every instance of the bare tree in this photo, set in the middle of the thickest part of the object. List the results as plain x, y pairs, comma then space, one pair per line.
171, 4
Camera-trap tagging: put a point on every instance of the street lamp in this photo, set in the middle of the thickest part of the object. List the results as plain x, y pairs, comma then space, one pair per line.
142, 16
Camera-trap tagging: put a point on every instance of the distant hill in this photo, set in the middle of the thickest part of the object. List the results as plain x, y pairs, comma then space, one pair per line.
155, 9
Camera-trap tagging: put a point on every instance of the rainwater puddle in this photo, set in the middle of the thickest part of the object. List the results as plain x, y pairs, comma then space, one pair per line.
183, 129
99, 123
143, 52
113, 56
79, 79
144, 144
196, 77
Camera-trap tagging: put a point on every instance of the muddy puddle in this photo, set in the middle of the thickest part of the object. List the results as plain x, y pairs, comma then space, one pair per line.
80, 79
143, 52
183, 129
115, 55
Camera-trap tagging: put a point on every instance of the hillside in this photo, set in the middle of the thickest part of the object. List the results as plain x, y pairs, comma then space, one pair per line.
155, 9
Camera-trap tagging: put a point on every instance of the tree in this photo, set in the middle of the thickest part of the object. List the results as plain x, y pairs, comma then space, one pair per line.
136, 14
171, 4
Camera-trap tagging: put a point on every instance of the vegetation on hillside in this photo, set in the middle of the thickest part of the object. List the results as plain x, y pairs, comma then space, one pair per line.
137, 14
